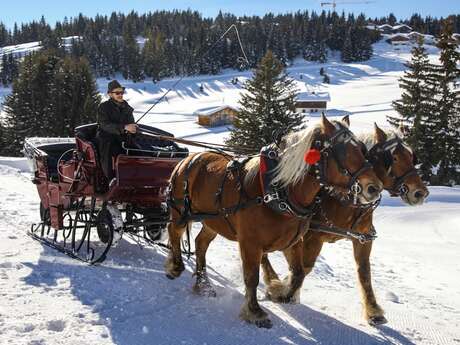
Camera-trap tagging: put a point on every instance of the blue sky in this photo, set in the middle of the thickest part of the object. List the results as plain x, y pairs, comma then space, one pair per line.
27, 10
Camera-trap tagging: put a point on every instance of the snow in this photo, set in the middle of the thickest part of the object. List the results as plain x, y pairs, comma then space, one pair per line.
313, 96
48, 298
20, 50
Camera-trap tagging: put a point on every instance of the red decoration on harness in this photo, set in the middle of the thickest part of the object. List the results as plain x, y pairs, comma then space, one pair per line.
312, 156
262, 166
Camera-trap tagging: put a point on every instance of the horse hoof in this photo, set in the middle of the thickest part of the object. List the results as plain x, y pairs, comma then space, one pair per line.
206, 291
377, 320
264, 323
280, 299
170, 276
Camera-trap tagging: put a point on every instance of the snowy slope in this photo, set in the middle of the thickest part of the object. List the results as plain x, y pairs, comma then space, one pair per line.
47, 298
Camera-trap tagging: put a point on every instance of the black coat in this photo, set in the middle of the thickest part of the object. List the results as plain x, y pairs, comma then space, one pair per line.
112, 118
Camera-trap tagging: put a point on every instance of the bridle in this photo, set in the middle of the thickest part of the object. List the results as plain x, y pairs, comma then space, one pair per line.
385, 151
336, 148
278, 197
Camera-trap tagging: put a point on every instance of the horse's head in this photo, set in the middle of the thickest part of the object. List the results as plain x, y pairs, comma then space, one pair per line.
343, 168
394, 163
329, 154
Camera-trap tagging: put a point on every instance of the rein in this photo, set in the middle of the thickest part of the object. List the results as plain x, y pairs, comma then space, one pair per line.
351, 234
274, 197
211, 146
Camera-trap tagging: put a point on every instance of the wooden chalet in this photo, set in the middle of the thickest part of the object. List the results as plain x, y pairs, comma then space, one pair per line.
398, 39
216, 115
312, 102
385, 28
401, 29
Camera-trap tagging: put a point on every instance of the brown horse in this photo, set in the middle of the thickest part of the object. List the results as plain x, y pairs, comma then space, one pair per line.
229, 202
393, 162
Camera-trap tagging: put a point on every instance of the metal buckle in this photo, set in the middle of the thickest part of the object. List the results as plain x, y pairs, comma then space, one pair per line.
403, 189
283, 206
270, 197
356, 188
272, 154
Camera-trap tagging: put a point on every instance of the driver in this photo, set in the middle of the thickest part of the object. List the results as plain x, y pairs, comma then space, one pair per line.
115, 119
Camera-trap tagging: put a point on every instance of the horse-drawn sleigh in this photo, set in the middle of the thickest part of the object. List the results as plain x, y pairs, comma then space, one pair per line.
74, 193
265, 202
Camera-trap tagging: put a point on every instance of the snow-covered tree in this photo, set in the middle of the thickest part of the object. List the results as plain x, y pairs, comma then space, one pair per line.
448, 108
49, 98
132, 66
9, 70
267, 107
417, 108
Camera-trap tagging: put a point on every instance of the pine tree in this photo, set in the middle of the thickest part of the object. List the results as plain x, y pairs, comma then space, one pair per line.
267, 107
347, 54
4, 35
4, 71
417, 109
3, 141
132, 67
154, 56
49, 98
9, 70
448, 106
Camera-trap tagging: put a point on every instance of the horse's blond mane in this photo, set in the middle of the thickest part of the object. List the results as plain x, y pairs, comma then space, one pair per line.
291, 167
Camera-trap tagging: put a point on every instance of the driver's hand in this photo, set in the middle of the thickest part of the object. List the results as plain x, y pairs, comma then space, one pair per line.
131, 128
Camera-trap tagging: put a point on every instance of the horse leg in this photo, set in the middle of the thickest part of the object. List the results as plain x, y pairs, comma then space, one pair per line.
174, 264
312, 245
269, 273
251, 310
273, 284
372, 311
203, 286
288, 291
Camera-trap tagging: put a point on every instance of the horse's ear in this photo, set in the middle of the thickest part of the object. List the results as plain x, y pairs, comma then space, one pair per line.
403, 130
379, 135
328, 127
346, 120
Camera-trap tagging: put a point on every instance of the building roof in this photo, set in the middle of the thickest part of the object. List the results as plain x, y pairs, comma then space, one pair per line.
313, 97
214, 109
397, 27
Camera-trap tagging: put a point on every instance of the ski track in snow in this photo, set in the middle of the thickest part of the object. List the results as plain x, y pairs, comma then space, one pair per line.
48, 298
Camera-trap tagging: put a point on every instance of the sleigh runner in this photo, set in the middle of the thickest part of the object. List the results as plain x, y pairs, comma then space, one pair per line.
74, 193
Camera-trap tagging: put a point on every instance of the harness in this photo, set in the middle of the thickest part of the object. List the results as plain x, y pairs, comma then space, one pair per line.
184, 206
350, 233
384, 151
275, 196
336, 147
378, 151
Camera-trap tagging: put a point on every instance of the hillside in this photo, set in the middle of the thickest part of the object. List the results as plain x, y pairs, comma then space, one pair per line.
47, 298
